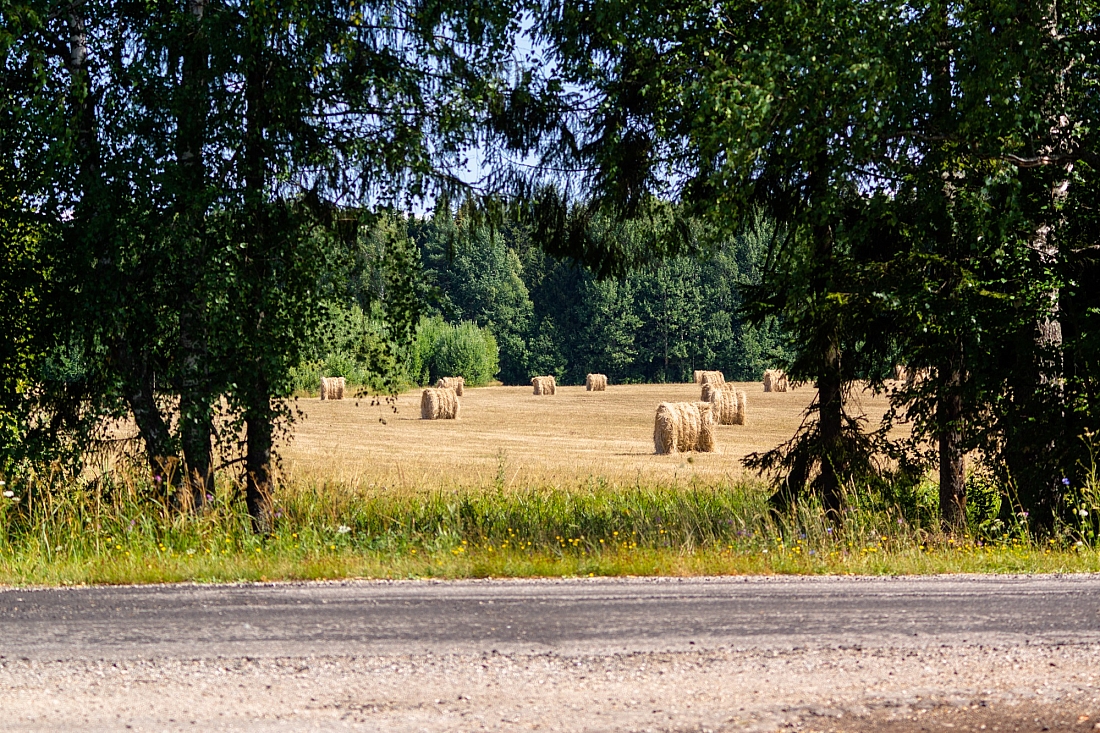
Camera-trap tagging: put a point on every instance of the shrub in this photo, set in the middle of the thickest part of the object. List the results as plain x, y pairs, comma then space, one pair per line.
445, 350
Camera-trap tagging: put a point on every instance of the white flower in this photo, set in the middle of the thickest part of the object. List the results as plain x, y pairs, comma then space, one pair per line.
1084, 512
9, 494
343, 529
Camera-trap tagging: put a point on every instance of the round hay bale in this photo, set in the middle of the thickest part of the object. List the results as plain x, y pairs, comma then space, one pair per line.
723, 401
595, 382
439, 404
544, 385
775, 381
704, 436
742, 399
666, 426
332, 388
698, 373
680, 427
712, 377
458, 384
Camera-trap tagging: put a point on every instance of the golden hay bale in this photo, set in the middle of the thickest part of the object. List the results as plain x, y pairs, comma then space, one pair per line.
680, 427
708, 391
440, 403
332, 388
712, 377
458, 384
544, 385
704, 440
775, 381
595, 382
742, 400
723, 401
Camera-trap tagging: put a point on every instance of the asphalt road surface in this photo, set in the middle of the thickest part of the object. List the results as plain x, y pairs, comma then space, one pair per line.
1006, 653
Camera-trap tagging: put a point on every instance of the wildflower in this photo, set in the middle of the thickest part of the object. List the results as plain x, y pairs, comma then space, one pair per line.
9, 494
828, 530
343, 529
1084, 512
1065, 481
210, 497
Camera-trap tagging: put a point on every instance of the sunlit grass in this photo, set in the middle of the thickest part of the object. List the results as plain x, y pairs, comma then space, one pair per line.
117, 534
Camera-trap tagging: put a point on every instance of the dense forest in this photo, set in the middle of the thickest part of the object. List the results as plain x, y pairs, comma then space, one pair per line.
547, 315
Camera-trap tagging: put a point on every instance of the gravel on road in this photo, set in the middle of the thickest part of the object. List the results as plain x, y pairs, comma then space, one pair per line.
709, 654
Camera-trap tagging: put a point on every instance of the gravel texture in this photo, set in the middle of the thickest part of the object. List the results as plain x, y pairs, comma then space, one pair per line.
586, 656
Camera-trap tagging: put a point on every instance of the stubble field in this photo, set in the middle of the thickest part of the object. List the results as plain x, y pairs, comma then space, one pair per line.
508, 435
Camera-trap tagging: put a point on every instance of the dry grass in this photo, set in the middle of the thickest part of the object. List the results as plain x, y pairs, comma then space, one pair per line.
509, 436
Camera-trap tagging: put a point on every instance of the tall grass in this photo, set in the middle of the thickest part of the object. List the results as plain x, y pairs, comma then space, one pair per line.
119, 531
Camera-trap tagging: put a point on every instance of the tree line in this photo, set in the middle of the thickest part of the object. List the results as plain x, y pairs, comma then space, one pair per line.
548, 315
185, 185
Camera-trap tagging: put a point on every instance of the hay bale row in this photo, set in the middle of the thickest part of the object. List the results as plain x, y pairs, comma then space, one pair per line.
544, 385
595, 382
775, 381
458, 384
727, 404
439, 403
332, 388
680, 427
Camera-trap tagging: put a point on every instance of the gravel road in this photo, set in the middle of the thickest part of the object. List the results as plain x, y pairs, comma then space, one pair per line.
709, 654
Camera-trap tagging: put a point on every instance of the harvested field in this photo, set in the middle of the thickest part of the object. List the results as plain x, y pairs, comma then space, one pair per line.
507, 433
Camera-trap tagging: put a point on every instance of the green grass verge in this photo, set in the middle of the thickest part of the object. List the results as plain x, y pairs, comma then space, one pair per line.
118, 534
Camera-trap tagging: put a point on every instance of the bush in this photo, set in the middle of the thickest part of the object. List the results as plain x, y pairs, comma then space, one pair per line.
445, 350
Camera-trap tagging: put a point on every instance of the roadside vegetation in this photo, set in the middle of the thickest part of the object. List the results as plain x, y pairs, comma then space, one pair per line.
120, 532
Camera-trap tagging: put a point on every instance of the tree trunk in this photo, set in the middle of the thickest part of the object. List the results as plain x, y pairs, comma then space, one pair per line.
830, 396
952, 459
259, 417
1036, 455
259, 484
196, 420
141, 398
196, 439
830, 380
